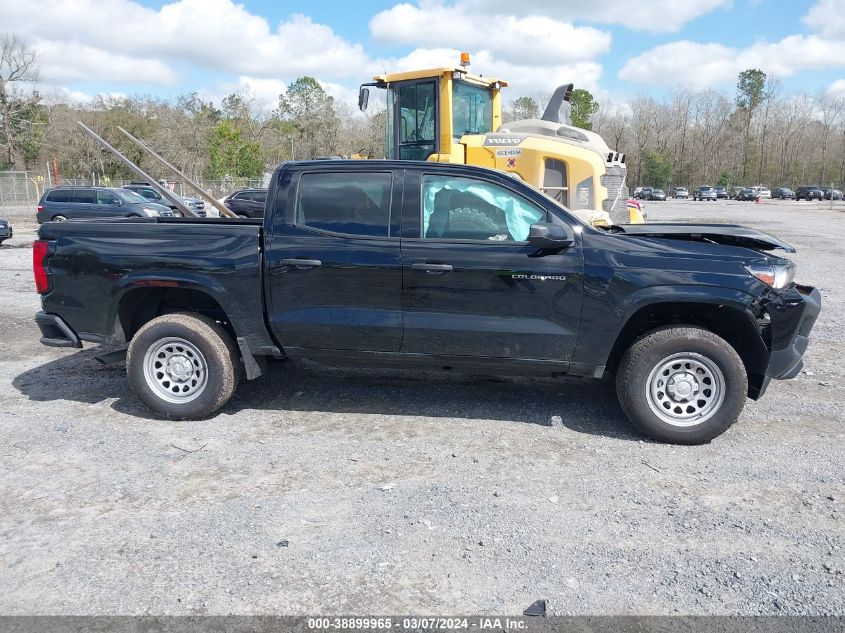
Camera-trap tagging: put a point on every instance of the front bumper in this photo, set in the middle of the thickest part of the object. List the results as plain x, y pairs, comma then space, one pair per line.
792, 316
55, 332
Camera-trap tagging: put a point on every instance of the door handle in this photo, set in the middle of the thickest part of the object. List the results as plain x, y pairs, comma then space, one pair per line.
433, 268
302, 263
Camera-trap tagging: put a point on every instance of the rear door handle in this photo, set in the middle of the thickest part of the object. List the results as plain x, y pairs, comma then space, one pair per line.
433, 268
302, 263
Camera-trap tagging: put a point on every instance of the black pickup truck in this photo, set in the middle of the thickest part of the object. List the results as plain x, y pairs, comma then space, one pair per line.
430, 265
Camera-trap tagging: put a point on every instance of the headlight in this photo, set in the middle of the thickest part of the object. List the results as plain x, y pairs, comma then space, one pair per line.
151, 213
774, 275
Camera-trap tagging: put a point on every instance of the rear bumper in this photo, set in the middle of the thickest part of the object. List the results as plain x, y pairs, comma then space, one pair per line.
55, 332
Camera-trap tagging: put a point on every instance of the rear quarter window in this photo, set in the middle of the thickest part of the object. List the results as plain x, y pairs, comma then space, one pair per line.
60, 195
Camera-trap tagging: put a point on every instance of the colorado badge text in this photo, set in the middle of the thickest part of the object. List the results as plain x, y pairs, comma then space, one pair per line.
539, 277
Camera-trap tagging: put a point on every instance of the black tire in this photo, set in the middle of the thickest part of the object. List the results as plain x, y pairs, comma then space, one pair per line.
218, 355
706, 351
58, 218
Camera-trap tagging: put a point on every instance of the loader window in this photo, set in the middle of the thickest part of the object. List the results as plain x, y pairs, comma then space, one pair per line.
416, 121
472, 109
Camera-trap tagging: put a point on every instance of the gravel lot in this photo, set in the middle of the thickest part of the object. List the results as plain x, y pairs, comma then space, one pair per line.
322, 490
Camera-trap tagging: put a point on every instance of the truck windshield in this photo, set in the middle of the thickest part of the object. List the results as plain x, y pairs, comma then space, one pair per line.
472, 109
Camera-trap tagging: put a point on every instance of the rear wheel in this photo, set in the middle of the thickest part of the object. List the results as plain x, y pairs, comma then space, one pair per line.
183, 365
59, 218
684, 385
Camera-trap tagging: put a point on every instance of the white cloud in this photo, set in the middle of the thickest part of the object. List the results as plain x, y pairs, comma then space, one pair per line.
531, 52
534, 39
827, 17
263, 92
217, 34
837, 87
522, 79
653, 15
73, 61
697, 65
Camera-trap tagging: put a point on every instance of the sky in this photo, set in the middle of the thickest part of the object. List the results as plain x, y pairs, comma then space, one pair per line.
618, 49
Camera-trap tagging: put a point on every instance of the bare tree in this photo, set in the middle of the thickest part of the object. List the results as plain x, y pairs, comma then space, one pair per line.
18, 64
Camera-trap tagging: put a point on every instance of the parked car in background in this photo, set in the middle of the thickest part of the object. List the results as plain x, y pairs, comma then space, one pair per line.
680, 193
722, 193
6, 232
69, 203
144, 189
247, 203
832, 194
783, 193
763, 192
749, 193
704, 192
735, 191
637, 192
810, 192
657, 194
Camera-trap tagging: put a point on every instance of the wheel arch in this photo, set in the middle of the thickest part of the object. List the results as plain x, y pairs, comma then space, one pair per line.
145, 300
730, 322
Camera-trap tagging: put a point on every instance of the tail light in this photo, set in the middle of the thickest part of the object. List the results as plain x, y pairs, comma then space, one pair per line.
40, 249
40, 208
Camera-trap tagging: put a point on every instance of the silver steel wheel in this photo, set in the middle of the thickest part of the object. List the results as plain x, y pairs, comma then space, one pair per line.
685, 389
175, 370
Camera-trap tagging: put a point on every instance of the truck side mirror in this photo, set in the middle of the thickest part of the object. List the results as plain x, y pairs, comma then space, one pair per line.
363, 98
545, 235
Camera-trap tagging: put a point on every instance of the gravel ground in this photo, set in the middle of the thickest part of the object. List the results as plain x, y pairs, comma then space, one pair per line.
321, 490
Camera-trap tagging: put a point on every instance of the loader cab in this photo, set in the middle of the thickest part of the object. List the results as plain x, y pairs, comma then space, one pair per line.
430, 111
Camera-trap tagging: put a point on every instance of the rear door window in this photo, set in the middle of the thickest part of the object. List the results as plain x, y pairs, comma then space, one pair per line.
350, 203
85, 196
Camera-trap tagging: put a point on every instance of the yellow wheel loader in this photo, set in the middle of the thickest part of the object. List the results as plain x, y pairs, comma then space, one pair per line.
448, 115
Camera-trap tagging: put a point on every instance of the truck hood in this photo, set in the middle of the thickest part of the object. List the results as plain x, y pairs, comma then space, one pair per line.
727, 234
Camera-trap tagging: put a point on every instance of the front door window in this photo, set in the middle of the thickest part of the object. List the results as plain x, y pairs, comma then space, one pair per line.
467, 209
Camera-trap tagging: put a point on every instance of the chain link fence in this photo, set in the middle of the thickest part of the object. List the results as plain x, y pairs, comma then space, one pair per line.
21, 190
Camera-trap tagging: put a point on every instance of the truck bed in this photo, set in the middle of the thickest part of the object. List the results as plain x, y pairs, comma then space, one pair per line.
97, 264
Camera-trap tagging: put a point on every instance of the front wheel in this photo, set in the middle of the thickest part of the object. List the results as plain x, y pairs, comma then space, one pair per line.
183, 366
683, 385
